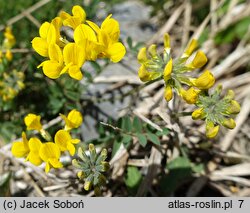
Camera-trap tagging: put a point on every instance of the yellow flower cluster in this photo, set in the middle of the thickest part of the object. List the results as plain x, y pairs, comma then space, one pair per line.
10, 84
36, 151
8, 42
217, 111
214, 109
90, 42
175, 73
11, 81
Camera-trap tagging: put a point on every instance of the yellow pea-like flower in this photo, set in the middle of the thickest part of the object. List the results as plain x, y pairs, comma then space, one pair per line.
50, 154
73, 120
74, 58
168, 70
53, 67
33, 156
192, 46
47, 33
199, 60
204, 81
168, 93
32, 122
64, 141
229, 123
108, 36
21, 148
190, 95
211, 130
78, 17
111, 27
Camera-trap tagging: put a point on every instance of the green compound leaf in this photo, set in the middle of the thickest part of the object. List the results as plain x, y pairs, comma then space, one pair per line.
142, 139
153, 138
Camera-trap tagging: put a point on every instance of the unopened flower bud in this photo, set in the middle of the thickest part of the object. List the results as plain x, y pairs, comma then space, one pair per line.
198, 114
168, 94
87, 185
211, 130
167, 43
234, 107
152, 50
142, 55
168, 70
229, 123
190, 49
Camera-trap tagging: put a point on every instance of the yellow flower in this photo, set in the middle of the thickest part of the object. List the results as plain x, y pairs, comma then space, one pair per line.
190, 95
85, 36
32, 122
50, 154
74, 57
9, 40
204, 81
199, 60
168, 93
108, 36
73, 119
211, 130
53, 67
78, 17
64, 141
48, 34
33, 156
21, 148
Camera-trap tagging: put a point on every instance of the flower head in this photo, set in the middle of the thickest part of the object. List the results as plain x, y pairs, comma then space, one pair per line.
175, 72
92, 167
217, 111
